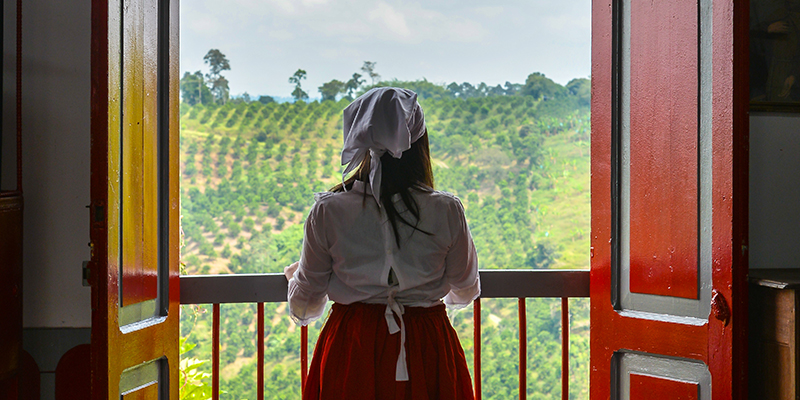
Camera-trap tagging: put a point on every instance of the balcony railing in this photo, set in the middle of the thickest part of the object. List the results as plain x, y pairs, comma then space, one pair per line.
268, 288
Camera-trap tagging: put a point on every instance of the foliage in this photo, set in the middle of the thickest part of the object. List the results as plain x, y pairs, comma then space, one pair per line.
194, 89
352, 85
369, 69
217, 62
194, 382
424, 88
539, 86
330, 90
519, 163
295, 79
582, 89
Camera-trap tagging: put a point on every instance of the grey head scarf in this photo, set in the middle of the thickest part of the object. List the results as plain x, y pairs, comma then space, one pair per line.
383, 120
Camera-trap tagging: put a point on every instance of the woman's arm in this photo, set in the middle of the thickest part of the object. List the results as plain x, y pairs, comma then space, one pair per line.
461, 263
308, 283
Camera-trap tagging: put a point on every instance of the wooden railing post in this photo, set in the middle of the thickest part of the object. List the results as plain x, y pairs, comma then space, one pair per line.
303, 357
260, 373
564, 348
215, 353
476, 360
523, 350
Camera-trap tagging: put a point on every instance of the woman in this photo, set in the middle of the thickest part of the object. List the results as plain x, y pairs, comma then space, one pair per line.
386, 248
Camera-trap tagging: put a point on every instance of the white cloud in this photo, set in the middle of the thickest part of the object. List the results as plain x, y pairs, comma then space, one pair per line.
569, 27
464, 40
391, 19
464, 30
345, 31
488, 11
204, 25
417, 24
435, 26
308, 3
340, 53
284, 5
267, 8
280, 35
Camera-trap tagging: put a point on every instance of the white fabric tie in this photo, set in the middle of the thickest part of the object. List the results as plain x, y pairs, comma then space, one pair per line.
394, 308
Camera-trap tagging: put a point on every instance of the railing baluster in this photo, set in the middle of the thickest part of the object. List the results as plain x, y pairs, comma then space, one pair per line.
303, 357
523, 350
215, 353
564, 348
476, 322
260, 373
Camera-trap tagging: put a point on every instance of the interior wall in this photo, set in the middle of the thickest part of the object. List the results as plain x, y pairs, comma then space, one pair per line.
8, 170
56, 140
774, 191
56, 93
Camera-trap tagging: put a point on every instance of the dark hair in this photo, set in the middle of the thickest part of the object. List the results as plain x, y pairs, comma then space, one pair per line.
398, 176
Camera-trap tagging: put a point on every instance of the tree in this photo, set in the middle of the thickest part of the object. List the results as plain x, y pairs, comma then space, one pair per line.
455, 89
542, 257
582, 89
217, 62
467, 90
353, 84
331, 89
482, 89
220, 89
295, 79
541, 87
265, 99
194, 89
497, 91
512, 88
424, 88
369, 69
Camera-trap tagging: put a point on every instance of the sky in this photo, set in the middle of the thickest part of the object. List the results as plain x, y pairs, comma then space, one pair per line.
442, 41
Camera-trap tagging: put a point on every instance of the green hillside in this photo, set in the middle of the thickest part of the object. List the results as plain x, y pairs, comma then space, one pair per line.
520, 164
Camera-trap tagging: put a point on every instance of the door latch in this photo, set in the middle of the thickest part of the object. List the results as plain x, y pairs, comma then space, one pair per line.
719, 306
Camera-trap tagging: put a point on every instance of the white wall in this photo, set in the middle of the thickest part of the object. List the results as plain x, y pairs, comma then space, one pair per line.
774, 191
56, 98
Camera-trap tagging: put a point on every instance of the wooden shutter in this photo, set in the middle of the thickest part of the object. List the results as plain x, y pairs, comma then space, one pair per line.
135, 199
669, 199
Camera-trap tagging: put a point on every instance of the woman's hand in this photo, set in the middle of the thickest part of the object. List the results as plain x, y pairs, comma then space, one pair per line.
289, 271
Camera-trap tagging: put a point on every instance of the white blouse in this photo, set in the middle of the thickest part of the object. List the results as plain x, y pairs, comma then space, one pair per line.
349, 248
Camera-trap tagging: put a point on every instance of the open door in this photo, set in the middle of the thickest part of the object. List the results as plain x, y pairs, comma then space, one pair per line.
135, 200
669, 199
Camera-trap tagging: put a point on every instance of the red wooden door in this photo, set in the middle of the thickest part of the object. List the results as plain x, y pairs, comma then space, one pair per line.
669, 199
135, 203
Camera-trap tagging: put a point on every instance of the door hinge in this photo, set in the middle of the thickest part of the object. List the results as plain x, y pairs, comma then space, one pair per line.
86, 272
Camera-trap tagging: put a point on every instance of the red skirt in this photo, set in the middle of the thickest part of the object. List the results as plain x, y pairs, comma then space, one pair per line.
355, 357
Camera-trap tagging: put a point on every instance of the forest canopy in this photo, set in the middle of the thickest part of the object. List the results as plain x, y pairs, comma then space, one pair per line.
516, 154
